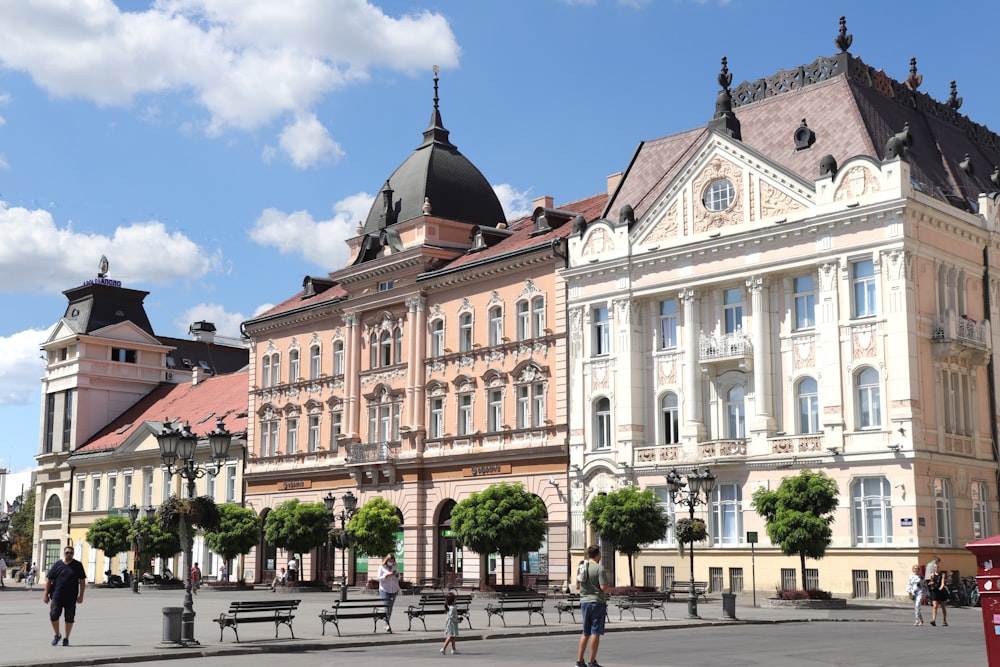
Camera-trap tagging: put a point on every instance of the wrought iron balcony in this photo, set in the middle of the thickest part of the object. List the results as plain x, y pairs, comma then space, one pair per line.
953, 335
373, 452
735, 345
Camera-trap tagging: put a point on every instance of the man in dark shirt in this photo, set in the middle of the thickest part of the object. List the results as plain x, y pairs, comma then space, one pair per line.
64, 586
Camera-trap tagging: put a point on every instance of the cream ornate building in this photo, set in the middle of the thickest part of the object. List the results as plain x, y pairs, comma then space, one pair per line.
806, 282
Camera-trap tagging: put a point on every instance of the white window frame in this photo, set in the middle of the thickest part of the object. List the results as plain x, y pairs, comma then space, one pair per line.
670, 425
495, 326
523, 309
980, 510
807, 406
868, 398
864, 292
727, 515
494, 410
602, 424
601, 317
538, 404
736, 417
231, 484
668, 324
538, 316
871, 507
464, 414
314, 433
465, 338
338, 357
437, 338
112, 490
523, 406
95, 491
81, 493
437, 417
732, 310
291, 435
294, 366
315, 362
804, 298
944, 518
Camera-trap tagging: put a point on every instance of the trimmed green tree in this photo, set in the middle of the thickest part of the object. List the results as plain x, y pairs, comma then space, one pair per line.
111, 534
237, 534
627, 519
374, 527
503, 519
156, 541
297, 527
798, 514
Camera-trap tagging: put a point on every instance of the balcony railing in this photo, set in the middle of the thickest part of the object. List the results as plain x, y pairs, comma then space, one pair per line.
961, 330
726, 346
373, 452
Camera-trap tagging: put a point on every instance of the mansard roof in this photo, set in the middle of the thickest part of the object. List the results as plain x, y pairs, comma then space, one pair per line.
853, 110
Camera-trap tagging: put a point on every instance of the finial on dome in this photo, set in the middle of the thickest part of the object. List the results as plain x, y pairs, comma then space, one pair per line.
914, 80
955, 102
725, 76
436, 70
843, 40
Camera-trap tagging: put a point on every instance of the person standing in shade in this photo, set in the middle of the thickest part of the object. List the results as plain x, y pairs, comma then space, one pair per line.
293, 570
195, 578
223, 572
592, 582
388, 587
64, 587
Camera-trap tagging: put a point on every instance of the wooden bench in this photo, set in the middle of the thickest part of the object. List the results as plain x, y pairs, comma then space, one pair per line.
681, 589
569, 605
432, 583
652, 601
461, 583
272, 611
533, 603
433, 603
343, 610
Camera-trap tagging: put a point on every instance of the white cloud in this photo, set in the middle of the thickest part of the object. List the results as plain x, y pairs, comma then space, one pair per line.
14, 483
515, 203
321, 242
246, 62
308, 143
49, 257
20, 367
263, 308
226, 323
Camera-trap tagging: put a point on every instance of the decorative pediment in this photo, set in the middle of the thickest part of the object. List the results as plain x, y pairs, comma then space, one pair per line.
730, 209
858, 181
599, 240
126, 332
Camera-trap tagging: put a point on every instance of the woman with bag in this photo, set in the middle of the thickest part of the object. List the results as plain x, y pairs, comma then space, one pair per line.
917, 590
939, 596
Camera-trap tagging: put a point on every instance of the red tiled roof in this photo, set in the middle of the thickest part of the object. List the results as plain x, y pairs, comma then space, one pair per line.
189, 403
590, 208
335, 293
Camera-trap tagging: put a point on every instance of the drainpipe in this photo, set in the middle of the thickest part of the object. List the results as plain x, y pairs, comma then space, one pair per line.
990, 378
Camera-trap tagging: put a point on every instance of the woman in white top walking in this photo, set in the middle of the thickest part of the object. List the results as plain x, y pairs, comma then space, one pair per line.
388, 587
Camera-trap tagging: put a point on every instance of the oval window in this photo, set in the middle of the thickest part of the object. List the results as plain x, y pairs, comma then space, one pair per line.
719, 195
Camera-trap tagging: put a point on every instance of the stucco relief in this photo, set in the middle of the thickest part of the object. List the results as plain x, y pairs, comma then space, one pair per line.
900, 264
436, 367
603, 483
805, 353
863, 338
705, 220
631, 428
529, 289
775, 202
666, 372
624, 311
465, 305
599, 376
857, 182
599, 241
576, 329
666, 227
385, 377
828, 276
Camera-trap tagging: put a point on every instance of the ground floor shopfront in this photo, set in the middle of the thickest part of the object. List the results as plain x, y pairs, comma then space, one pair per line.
425, 496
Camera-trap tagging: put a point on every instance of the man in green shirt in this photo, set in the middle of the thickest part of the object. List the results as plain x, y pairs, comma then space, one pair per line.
592, 582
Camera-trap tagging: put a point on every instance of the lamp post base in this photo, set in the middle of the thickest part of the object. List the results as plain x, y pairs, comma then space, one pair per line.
693, 607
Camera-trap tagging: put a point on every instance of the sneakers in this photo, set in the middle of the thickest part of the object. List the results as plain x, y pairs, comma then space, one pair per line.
579, 663
388, 630
65, 641
594, 664
55, 640
454, 652
442, 651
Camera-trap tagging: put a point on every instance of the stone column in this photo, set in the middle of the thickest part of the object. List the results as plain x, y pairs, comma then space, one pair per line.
693, 420
416, 333
352, 367
763, 418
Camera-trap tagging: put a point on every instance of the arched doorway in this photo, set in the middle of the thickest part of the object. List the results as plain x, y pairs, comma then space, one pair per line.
448, 559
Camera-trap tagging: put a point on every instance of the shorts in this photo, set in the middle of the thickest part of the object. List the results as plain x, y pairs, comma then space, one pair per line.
593, 617
56, 607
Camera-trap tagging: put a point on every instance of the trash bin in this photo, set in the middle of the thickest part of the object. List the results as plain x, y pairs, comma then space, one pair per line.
172, 624
729, 606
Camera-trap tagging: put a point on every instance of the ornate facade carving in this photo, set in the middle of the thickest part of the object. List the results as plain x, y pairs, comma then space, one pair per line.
529, 289
804, 353
666, 227
624, 311
600, 376
666, 371
828, 276
705, 220
775, 202
859, 181
864, 344
598, 241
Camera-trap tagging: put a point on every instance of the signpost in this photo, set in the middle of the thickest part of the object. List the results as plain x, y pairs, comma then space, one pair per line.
752, 540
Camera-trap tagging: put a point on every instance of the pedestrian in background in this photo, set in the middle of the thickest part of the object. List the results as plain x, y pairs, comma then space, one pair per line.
32, 576
195, 578
917, 590
3, 572
223, 572
592, 582
939, 594
450, 623
388, 587
64, 587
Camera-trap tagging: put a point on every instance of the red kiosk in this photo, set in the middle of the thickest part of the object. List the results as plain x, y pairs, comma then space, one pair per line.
987, 552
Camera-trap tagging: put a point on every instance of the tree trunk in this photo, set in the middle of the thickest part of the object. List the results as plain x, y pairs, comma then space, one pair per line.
802, 566
631, 576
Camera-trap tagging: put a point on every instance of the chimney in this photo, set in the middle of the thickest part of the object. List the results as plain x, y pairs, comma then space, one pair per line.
195, 375
544, 202
203, 331
613, 181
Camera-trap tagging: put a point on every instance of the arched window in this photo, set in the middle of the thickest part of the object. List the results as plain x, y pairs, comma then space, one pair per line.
275, 369
437, 338
496, 325
871, 500
538, 316
670, 419
869, 399
465, 332
943, 497
293, 366
338, 358
53, 509
397, 345
385, 348
808, 405
523, 320
265, 371
315, 362
735, 413
373, 350
602, 424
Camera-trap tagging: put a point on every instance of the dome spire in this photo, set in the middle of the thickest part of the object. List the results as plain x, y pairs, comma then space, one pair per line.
435, 132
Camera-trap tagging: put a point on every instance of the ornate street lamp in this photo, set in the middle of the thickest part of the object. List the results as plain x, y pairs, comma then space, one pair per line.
350, 502
4, 538
699, 492
177, 447
133, 515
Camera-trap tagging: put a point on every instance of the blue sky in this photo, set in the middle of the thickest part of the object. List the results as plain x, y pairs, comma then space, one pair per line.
219, 150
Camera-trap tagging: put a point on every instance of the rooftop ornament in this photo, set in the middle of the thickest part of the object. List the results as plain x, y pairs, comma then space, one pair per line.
954, 101
914, 80
843, 40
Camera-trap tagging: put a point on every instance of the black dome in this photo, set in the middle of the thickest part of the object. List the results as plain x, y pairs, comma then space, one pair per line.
454, 187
